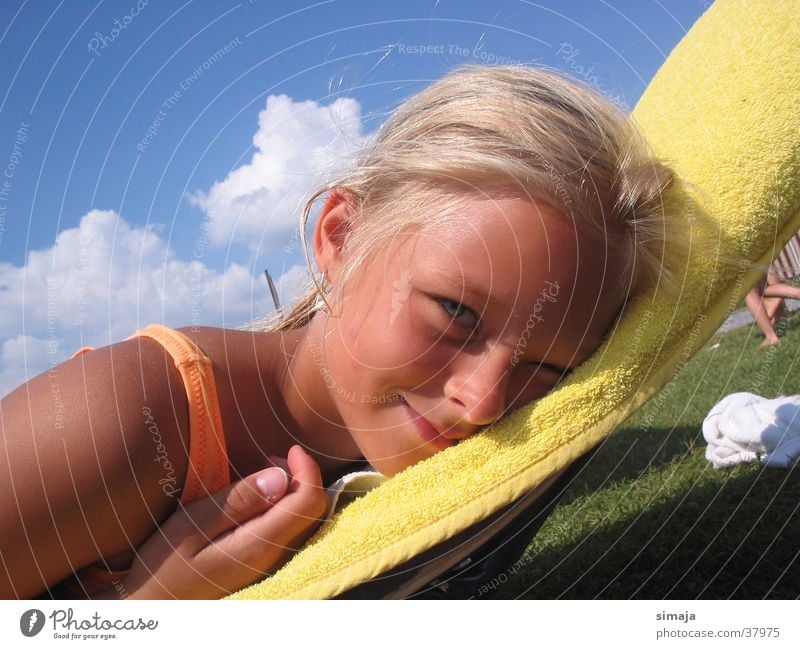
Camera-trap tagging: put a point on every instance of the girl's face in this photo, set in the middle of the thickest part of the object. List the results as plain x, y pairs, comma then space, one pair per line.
447, 329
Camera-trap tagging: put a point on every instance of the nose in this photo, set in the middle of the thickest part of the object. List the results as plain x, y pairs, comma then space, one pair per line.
479, 385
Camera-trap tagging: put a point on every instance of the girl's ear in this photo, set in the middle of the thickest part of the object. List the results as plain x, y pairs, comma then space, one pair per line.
331, 230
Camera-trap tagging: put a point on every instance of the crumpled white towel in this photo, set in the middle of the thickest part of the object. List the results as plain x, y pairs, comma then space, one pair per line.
744, 427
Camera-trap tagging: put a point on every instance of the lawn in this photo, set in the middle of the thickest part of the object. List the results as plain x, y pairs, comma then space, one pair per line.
648, 517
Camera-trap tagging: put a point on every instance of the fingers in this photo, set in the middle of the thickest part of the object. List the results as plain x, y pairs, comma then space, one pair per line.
276, 460
237, 504
227, 541
305, 471
266, 542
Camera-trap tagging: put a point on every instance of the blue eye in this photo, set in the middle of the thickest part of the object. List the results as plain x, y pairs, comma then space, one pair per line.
457, 311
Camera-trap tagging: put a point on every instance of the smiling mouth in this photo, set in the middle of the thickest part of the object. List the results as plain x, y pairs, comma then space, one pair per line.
425, 430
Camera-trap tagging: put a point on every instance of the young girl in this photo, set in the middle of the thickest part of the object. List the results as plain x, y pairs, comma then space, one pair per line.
479, 251
766, 304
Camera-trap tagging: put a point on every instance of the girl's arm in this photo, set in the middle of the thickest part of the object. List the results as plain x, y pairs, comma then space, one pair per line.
80, 477
220, 544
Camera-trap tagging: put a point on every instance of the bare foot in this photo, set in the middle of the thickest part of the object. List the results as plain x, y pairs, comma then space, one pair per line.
771, 343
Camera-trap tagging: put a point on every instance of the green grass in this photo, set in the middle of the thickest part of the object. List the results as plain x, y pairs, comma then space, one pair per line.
648, 517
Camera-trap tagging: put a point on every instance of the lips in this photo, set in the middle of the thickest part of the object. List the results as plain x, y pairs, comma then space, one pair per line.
426, 430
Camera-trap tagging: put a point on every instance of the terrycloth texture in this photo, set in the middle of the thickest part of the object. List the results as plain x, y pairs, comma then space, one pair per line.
723, 110
745, 427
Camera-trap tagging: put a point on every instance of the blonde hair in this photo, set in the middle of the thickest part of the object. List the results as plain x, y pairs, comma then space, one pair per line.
524, 130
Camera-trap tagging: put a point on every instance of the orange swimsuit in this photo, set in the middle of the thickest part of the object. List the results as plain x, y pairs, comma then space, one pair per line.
207, 469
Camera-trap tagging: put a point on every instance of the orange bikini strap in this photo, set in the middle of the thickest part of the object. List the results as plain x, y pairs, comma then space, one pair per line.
208, 457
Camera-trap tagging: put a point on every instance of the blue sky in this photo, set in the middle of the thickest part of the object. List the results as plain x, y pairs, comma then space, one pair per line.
155, 154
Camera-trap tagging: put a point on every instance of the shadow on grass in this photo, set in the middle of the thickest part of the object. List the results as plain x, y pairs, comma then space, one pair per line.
647, 517
629, 454
733, 536
669, 429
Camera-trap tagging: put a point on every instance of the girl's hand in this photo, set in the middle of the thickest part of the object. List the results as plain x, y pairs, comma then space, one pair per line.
218, 545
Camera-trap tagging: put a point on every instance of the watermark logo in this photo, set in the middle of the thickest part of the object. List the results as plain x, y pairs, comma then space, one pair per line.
31, 622
450, 49
198, 277
548, 294
402, 289
7, 179
183, 87
169, 483
102, 41
569, 54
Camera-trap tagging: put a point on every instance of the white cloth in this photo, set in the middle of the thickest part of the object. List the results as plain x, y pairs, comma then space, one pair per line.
744, 427
351, 486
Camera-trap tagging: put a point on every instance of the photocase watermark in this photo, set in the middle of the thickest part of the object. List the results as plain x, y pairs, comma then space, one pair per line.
327, 378
402, 289
548, 294
503, 577
31, 622
638, 334
7, 181
170, 482
293, 241
119, 587
769, 356
52, 353
441, 49
569, 54
183, 87
152, 130
85, 241
66, 626
202, 242
557, 183
347, 394
733, 301
196, 278
102, 41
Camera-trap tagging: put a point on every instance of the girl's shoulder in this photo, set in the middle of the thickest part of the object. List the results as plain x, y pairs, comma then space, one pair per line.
249, 369
241, 355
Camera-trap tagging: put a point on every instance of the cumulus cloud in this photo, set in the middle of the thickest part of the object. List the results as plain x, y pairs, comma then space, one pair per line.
21, 358
299, 146
100, 282
106, 278
292, 283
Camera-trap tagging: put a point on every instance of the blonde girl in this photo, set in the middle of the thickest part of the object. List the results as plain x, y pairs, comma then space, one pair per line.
479, 250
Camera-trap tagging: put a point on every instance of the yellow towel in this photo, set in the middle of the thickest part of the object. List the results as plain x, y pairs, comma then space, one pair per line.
723, 110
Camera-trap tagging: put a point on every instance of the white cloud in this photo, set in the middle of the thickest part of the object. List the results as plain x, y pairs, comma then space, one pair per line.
299, 146
21, 358
103, 280
291, 284
106, 278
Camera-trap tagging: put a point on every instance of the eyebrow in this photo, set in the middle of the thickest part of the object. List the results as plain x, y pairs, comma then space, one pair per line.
465, 286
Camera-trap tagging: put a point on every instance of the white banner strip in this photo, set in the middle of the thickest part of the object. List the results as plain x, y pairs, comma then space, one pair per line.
150, 624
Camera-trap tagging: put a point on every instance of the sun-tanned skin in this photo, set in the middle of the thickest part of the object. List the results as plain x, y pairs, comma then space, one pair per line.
456, 324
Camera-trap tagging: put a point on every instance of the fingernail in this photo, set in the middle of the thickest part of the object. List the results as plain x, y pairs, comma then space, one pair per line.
272, 482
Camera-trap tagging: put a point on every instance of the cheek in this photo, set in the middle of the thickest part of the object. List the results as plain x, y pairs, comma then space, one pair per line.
404, 348
416, 343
